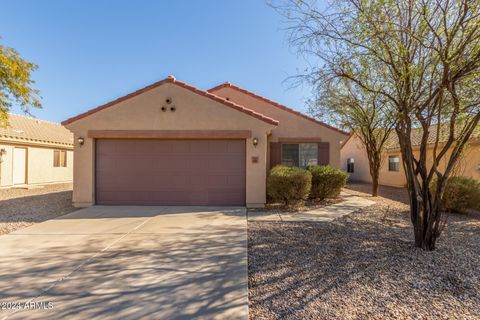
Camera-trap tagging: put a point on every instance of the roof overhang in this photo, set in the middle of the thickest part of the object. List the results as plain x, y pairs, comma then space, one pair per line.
35, 143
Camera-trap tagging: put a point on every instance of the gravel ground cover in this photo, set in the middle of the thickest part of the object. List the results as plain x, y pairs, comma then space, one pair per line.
364, 266
23, 207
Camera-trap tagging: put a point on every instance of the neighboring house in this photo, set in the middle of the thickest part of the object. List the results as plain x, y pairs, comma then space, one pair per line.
354, 158
34, 152
173, 144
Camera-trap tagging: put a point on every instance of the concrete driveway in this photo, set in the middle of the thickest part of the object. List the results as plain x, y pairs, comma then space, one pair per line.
128, 262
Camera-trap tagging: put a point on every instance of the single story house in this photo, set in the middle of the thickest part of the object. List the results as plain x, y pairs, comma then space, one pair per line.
171, 143
34, 152
354, 158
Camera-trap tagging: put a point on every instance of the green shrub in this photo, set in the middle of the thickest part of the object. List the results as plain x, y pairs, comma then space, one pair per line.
460, 193
327, 181
289, 185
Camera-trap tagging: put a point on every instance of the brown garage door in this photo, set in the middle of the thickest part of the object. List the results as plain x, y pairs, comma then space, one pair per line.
170, 172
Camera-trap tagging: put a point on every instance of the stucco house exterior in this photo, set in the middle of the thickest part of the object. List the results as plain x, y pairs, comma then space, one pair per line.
34, 152
171, 143
354, 159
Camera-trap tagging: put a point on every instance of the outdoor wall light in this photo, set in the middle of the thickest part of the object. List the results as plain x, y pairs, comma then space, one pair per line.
80, 141
172, 108
168, 100
255, 141
4, 151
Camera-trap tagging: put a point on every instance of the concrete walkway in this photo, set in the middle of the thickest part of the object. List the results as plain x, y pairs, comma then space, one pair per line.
129, 263
349, 204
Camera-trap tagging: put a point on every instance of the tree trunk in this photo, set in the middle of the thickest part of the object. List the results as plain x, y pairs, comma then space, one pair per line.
375, 185
426, 220
374, 162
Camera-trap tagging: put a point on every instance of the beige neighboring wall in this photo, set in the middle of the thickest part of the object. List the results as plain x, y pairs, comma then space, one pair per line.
467, 166
392, 178
290, 125
354, 149
40, 169
6, 165
193, 112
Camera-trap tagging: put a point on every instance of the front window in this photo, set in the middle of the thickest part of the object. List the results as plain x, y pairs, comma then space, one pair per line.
350, 165
300, 154
394, 163
59, 158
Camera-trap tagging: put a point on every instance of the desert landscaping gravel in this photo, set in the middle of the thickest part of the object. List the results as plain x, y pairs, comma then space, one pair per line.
23, 207
364, 266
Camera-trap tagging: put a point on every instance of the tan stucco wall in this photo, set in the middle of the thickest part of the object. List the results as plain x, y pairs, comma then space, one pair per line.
391, 178
193, 112
354, 149
468, 165
40, 169
6, 166
291, 125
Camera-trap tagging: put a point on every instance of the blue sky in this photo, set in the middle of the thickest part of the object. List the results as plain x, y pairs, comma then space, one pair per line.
91, 52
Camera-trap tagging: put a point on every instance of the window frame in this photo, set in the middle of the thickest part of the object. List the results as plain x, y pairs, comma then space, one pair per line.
396, 164
298, 154
59, 161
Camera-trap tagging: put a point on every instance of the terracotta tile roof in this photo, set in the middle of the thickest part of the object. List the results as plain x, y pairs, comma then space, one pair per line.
276, 104
26, 129
171, 79
392, 142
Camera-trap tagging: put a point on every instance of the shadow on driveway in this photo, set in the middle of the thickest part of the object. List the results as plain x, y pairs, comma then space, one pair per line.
163, 264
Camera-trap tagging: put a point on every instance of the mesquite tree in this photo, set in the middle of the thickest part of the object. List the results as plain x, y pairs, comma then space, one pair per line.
367, 115
427, 59
16, 84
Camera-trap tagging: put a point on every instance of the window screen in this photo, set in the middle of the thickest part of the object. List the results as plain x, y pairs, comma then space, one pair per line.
308, 154
290, 154
299, 154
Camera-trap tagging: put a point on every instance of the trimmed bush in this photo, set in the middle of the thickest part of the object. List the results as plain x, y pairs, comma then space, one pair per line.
327, 181
289, 185
460, 193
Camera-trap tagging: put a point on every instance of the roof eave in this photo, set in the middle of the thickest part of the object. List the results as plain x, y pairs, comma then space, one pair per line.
35, 142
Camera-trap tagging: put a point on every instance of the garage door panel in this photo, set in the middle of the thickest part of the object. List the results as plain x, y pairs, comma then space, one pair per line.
170, 172
231, 162
200, 162
236, 181
218, 147
198, 180
199, 146
177, 163
161, 148
235, 148
105, 166
224, 196
218, 181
